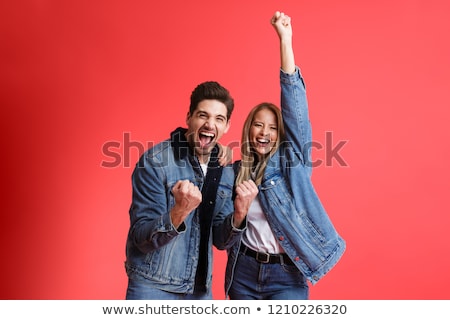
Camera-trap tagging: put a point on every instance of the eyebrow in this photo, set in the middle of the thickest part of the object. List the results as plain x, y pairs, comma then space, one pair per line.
260, 121
203, 112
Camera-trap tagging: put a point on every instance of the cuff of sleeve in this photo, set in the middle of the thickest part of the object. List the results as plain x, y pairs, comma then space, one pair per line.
167, 225
240, 228
291, 78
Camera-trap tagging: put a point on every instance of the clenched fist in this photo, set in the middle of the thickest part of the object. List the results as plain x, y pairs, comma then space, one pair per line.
245, 194
187, 197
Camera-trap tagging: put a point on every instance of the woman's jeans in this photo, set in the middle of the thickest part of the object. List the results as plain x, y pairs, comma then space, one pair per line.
254, 280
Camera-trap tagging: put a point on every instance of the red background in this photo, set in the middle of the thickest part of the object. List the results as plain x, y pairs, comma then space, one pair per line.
78, 75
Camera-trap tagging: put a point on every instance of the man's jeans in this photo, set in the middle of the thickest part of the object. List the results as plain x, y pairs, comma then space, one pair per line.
139, 289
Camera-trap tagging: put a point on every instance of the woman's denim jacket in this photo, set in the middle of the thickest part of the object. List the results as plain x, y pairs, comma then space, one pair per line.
287, 196
157, 252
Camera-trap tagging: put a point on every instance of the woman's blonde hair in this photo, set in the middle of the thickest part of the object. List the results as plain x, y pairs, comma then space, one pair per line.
250, 161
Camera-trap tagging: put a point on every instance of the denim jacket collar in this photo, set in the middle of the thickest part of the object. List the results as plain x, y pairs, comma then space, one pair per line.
179, 143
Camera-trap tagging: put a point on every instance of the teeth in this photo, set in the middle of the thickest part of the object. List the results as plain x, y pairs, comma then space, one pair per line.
207, 134
263, 141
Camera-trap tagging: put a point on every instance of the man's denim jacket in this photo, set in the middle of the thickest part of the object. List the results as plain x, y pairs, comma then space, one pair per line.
157, 252
292, 207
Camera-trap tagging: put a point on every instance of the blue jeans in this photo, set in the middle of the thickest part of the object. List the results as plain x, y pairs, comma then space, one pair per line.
254, 280
139, 289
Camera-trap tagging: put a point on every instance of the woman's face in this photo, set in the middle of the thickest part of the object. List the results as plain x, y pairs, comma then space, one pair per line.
263, 132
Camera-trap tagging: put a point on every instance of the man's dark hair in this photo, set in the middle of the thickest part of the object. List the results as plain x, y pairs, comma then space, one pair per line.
214, 91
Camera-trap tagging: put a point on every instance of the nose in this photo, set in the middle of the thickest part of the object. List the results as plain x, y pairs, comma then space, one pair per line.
208, 124
265, 131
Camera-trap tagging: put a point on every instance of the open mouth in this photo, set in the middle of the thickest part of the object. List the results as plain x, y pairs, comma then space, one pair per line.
206, 138
262, 143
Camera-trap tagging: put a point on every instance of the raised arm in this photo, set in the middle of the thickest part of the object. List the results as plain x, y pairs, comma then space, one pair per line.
283, 27
294, 105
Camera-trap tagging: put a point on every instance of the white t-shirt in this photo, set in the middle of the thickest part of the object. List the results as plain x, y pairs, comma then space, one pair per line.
258, 235
204, 167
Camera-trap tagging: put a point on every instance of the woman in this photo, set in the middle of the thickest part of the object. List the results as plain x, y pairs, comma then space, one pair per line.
289, 238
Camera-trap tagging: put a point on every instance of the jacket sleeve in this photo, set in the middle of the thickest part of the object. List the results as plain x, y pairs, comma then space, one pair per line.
150, 223
225, 235
294, 108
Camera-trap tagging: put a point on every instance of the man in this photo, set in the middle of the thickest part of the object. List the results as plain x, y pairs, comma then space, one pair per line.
182, 204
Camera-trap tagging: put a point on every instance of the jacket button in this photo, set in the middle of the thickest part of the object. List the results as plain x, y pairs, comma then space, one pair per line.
296, 259
272, 182
281, 238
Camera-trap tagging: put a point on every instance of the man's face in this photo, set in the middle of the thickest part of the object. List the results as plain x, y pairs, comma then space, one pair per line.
206, 126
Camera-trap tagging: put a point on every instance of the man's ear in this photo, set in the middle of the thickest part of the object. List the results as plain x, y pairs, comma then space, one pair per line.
188, 116
227, 127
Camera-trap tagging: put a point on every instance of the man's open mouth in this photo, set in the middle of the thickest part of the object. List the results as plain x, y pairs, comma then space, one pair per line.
206, 138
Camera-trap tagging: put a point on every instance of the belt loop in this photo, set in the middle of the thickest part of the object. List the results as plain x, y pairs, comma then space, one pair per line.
282, 259
243, 248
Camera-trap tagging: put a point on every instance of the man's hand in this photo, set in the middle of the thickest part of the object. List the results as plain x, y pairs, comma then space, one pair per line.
187, 197
245, 194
